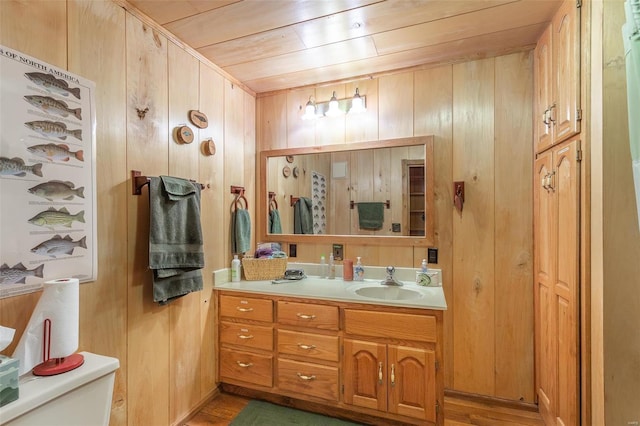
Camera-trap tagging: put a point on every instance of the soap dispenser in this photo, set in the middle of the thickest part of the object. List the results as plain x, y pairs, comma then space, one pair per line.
235, 269
332, 267
358, 271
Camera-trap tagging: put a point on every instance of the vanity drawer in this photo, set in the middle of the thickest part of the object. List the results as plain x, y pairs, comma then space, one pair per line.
308, 345
246, 367
308, 379
247, 308
247, 335
420, 328
308, 315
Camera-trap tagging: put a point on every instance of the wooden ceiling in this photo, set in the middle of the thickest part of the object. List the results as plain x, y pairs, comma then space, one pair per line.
271, 45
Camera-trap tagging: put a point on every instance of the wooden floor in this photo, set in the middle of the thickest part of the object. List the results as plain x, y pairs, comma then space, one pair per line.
223, 408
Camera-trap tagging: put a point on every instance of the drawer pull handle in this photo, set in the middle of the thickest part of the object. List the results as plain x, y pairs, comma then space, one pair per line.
393, 375
380, 373
307, 378
244, 309
306, 347
304, 316
244, 364
243, 336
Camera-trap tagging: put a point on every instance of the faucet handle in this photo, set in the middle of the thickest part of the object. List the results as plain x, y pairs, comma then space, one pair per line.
390, 271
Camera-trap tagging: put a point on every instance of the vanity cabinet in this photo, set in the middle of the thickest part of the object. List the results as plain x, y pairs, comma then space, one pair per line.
557, 111
371, 361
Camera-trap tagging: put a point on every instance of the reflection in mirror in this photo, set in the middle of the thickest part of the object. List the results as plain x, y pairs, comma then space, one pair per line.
376, 189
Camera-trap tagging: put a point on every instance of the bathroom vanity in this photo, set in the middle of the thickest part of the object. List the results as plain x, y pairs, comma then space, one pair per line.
335, 345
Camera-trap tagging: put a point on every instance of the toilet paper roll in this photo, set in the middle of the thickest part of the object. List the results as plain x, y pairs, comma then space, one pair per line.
60, 304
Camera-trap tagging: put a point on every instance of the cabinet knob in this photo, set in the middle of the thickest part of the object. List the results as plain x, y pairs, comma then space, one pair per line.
244, 309
304, 316
245, 336
380, 373
244, 364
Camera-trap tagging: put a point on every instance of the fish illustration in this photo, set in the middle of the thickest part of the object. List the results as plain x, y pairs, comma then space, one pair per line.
57, 190
49, 104
16, 167
52, 218
53, 152
18, 274
53, 129
57, 246
52, 84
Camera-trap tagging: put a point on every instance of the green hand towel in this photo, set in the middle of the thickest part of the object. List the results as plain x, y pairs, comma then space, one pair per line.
370, 215
303, 216
240, 231
275, 226
175, 238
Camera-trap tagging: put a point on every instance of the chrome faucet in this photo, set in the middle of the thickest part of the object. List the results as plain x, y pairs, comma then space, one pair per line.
390, 280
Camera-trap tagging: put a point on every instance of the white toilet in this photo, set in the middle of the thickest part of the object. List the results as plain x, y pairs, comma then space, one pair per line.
80, 397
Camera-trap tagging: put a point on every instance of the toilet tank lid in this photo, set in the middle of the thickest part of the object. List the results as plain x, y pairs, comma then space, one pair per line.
38, 390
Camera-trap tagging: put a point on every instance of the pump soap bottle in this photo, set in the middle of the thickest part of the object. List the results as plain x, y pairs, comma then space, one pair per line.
332, 267
235, 269
358, 271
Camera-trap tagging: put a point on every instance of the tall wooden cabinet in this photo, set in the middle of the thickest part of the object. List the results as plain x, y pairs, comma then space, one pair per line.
557, 294
557, 78
557, 217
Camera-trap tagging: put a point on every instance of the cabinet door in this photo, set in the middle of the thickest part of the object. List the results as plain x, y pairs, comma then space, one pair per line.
365, 374
412, 382
542, 101
565, 290
544, 266
566, 68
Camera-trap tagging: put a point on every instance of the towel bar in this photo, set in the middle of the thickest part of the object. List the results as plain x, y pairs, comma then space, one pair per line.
138, 181
352, 204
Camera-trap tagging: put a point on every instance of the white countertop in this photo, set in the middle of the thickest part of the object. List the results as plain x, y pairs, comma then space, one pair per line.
314, 287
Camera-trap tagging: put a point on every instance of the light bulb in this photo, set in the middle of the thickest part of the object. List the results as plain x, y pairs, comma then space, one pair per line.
357, 103
309, 110
333, 107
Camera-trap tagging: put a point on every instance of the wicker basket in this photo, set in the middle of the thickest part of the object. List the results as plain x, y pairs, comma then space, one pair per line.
263, 269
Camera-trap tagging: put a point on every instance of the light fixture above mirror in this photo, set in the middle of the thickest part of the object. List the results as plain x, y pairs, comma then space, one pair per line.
334, 106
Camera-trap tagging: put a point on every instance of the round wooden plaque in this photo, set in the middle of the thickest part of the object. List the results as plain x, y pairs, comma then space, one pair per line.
286, 171
199, 119
208, 147
184, 134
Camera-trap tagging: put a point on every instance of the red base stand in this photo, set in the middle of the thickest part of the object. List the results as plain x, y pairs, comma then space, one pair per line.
58, 365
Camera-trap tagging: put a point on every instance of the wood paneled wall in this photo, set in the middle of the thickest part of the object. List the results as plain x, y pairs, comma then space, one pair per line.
167, 353
480, 115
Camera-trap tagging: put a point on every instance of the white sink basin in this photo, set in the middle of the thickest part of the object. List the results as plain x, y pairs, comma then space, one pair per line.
388, 293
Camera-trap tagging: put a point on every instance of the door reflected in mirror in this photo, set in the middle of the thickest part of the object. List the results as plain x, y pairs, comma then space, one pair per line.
381, 188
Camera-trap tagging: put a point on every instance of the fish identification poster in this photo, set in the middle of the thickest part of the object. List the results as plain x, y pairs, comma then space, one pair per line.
47, 175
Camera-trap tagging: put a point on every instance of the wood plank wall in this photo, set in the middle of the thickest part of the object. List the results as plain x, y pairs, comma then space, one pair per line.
167, 353
480, 115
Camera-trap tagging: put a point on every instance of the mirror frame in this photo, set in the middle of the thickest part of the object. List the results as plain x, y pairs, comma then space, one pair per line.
262, 198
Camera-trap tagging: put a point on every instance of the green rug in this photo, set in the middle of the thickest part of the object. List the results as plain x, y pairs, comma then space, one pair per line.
260, 413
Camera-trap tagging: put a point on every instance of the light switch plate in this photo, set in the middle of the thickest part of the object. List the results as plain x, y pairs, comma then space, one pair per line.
338, 251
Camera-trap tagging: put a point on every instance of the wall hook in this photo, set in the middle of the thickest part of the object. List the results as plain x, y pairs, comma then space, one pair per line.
458, 195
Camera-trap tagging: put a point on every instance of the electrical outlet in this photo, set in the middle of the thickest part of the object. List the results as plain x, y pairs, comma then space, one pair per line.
293, 250
632, 423
432, 255
338, 251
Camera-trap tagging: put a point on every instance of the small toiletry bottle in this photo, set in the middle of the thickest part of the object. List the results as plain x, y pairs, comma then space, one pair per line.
424, 267
323, 267
347, 270
358, 271
332, 267
235, 269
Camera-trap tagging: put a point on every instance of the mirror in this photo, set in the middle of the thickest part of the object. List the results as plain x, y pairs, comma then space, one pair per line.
356, 191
